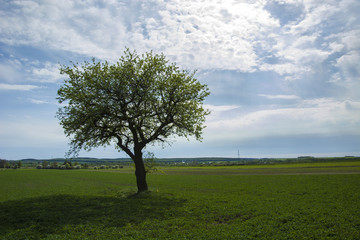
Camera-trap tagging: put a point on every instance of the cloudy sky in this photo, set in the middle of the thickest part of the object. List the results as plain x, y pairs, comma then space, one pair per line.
284, 75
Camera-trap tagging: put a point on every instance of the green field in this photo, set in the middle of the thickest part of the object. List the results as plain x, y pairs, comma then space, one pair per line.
287, 201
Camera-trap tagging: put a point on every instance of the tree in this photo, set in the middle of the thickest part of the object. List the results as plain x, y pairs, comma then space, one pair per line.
3, 163
45, 164
54, 165
139, 100
68, 164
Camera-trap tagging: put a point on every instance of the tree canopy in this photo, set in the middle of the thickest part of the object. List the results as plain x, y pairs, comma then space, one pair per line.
139, 100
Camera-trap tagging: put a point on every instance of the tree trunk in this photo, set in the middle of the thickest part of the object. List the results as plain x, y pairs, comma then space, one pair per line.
140, 172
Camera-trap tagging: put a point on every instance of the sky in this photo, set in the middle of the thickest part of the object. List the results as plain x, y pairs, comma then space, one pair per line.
284, 75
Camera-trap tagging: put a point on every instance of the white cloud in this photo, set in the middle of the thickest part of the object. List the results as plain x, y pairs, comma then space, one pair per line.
349, 63
228, 35
4, 86
287, 69
215, 34
36, 101
48, 73
335, 78
348, 76
348, 39
351, 39
302, 46
315, 13
203, 35
16, 70
221, 108
347, 45
284, 97
304, 56
78, 27
318, 116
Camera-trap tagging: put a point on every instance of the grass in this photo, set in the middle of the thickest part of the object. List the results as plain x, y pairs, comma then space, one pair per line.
274, 169
54, 204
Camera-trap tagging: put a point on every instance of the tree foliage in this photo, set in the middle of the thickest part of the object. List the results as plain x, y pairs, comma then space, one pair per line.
4, 163
139, 100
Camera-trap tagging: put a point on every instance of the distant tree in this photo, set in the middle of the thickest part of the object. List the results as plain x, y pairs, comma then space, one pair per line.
150, 162
140, 100
44, 164
68, 162
3, 163
68, 166
54, 165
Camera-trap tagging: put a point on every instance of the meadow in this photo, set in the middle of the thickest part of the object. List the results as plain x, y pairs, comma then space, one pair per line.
287, 201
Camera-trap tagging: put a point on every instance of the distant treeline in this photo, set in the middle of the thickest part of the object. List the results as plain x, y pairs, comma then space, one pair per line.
77, 161
216, 161
10, 164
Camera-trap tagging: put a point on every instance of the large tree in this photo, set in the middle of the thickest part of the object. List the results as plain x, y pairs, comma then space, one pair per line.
139, 100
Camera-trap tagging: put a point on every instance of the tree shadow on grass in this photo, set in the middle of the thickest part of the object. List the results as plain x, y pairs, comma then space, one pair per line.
47, 215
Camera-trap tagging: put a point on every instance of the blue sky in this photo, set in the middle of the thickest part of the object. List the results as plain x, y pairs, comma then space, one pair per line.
284, 75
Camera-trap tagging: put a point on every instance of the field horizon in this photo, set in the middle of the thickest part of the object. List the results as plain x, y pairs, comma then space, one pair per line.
193, 161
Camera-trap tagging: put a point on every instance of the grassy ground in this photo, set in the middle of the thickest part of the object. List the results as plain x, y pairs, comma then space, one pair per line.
271, 169
190, 203
276, 169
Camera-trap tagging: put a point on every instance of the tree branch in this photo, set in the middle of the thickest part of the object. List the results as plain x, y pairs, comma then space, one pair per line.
124, 148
